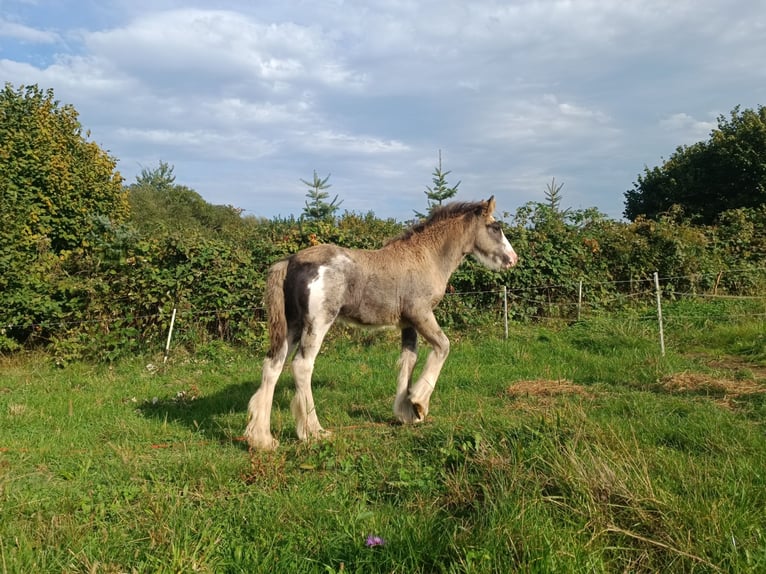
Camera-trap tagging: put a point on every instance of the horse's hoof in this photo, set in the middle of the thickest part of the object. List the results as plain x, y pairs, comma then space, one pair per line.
265, 443
419, 413
409, 413
318, 434
266, 447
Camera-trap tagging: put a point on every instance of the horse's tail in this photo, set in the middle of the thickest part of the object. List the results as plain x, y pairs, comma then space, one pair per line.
275, 307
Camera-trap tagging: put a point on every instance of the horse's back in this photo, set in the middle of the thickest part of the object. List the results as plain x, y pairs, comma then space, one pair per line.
353, 284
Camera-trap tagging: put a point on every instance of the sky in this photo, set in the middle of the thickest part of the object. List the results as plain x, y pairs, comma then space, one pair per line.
246, 98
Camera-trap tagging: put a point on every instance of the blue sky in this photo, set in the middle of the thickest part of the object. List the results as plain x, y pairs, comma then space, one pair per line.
245, 98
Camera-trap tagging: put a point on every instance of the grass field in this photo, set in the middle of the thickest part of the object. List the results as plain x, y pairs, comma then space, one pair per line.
564, 449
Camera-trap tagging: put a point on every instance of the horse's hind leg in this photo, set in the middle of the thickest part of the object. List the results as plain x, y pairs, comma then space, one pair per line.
402, 406
306, 421
257, 432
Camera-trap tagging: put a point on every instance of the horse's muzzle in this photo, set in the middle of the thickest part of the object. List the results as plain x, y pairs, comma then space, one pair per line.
510, 259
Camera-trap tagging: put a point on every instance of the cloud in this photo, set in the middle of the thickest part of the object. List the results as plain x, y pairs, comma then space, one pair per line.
685, 128
201, 144
542, 121
213, 51
241, 113
16, 31
331, 141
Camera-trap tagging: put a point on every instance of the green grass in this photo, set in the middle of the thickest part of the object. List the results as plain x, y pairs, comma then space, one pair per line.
569, 449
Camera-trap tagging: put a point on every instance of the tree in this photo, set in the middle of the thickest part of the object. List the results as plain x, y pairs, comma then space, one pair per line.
440, 191
553, 196
52, 179
56, 189
160, 178
551, 215
317, 208
160, 205
728, 171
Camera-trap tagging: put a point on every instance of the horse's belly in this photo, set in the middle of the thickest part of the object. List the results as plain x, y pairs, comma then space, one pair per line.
370, 313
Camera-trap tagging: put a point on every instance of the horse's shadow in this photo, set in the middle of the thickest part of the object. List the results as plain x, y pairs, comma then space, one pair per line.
214, 415
208, 414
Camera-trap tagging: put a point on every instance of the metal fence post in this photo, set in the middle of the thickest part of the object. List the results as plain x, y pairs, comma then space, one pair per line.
505, 310
170, 334
659, 312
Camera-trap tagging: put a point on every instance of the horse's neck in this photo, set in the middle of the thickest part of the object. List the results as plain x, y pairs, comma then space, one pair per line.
448, 246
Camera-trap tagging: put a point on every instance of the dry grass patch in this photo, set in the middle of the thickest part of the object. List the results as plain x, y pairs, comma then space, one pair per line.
725, 391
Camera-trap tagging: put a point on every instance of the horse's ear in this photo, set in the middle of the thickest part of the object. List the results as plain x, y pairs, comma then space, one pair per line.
489, 207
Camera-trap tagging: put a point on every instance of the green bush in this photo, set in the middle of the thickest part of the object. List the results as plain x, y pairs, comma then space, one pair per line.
114, 296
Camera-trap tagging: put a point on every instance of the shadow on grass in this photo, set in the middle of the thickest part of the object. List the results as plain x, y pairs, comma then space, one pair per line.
198, 411
221, 415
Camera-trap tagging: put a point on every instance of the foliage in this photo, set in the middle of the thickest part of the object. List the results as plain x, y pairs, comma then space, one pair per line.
55, 187
54, 181
317, 208
441, 190
728, 171
159, 205
123, 305
161, 178
616, 260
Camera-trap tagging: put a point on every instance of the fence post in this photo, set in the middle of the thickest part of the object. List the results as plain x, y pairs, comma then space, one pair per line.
579, 299
505, 311
170, 334
659, 313
717, 282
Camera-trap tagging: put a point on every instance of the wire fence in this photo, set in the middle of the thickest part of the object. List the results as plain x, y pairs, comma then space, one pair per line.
550, 303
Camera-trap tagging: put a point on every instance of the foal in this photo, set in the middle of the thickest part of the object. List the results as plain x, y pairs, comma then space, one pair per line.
398, 284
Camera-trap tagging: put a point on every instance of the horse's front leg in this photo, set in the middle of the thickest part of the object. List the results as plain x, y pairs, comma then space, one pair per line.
420, 392
402, 406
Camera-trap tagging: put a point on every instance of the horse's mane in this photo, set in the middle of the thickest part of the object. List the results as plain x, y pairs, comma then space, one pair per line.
441, 213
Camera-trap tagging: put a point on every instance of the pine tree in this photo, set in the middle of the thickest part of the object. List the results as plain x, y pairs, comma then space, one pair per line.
317, 208
553, 195
160, 178
553, 216
440, 191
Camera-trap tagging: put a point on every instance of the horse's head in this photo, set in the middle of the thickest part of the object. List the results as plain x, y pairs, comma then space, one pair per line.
491, 247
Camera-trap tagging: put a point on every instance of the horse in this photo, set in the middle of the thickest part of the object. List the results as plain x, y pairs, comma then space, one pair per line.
397, 285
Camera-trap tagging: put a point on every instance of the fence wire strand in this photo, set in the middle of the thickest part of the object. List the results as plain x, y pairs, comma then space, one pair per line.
560, 308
